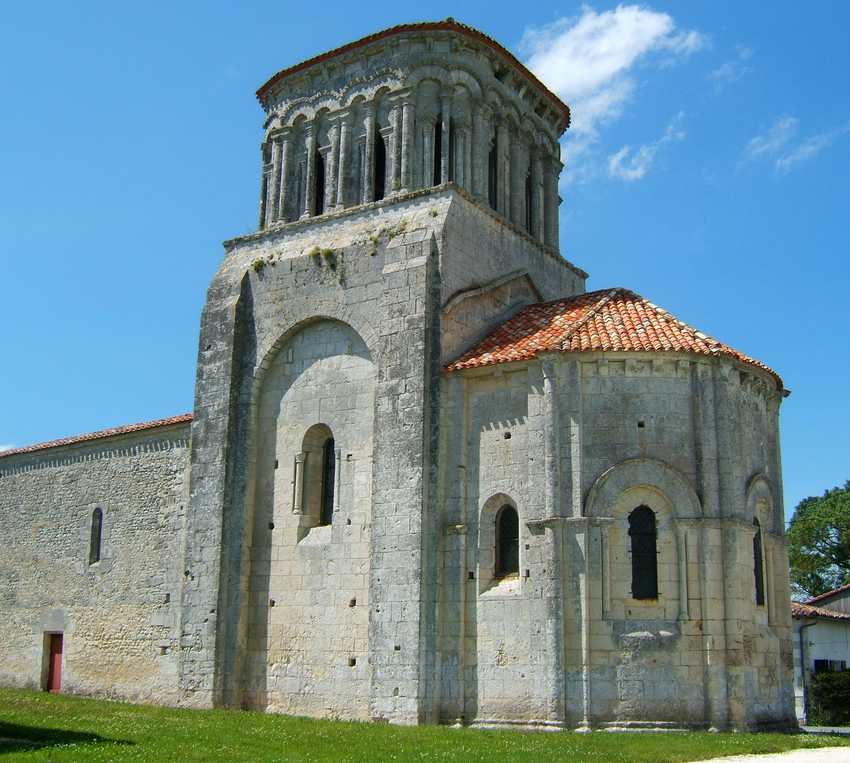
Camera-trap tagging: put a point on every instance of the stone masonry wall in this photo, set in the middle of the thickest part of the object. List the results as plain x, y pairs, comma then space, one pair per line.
576, 448
119, 616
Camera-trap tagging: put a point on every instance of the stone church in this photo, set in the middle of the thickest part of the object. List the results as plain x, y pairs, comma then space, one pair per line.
428, 477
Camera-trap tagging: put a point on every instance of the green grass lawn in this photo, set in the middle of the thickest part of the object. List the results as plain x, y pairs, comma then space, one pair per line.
64, 728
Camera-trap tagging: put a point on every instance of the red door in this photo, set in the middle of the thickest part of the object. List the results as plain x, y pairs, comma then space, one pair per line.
54, 666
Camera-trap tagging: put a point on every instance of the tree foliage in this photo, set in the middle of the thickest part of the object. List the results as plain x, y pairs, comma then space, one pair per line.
819, 542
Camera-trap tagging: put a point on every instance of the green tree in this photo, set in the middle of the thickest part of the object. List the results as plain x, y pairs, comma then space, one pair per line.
819, 542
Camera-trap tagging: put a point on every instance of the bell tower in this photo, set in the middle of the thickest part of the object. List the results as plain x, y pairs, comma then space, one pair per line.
408, 202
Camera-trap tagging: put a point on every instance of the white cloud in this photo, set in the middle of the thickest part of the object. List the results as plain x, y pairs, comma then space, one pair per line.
732, 70
808, 149
777, 137
778, 142
589, 61
630, 165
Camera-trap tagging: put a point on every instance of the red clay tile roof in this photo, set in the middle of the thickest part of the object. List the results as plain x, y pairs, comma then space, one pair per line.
127, 429
806, 610
612, 320
449, 25
828, 594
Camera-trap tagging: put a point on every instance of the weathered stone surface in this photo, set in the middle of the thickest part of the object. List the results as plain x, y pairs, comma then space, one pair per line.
336, 320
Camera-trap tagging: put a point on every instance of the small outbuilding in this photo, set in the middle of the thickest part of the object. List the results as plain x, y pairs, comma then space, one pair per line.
821, 641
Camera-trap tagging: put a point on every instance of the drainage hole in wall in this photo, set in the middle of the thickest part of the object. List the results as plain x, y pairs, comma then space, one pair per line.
352, 661
271, 602
471, 575
163, 650
397, 647
348, 521
395, 691
352, 602
271, 525
641, 424
507, 435
528, 573
167, 598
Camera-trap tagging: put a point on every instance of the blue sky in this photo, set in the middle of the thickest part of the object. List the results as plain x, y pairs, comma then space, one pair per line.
707, 169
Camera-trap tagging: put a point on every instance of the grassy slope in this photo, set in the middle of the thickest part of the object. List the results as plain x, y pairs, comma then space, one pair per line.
76, 729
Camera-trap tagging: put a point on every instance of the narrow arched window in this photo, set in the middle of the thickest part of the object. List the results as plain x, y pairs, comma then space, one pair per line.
528, 202
438, 152
379, 175
758, 564
328, 481
507, 542
644, 553
492, 175
319, 185
95, 536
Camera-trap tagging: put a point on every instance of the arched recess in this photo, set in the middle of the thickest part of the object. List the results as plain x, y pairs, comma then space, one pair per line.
642, 471
645, 484
760, 504
767, 556
309, 521
448, 77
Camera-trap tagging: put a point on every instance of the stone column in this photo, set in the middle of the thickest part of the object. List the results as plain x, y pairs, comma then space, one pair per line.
503, 169
264, 180
555, 174
344, 163
309, 181
298, 483
544, 559
456, 591
274, 186
394, 154
368, 193
446, 121
460, 155
537, 206
479, 151
332, 167
517, 177
428, 153
408, 144
711, 547
283, 201
549, 204
467, 159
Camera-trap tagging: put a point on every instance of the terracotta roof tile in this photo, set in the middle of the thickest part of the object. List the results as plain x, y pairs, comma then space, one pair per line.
806, 610
612, 320
127, 429
449, 25
828, 594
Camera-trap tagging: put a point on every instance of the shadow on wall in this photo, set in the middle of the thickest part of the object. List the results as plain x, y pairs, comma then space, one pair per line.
17, 738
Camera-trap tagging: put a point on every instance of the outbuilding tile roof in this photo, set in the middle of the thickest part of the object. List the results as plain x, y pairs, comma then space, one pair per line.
807, 610
828, 594
127, 429
610, 320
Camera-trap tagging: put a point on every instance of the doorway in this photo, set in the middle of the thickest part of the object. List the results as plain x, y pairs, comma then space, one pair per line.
54, 662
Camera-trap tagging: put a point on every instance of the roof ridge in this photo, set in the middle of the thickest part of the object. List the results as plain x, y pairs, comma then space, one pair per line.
822, 596
100, 434
603, 300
